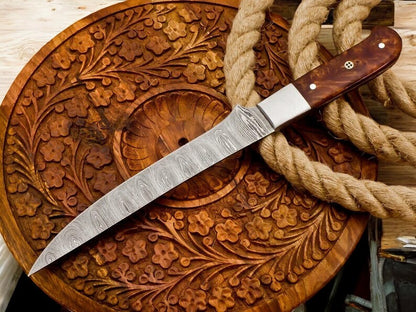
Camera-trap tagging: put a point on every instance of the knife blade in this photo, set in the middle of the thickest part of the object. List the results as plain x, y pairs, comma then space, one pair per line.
241, 128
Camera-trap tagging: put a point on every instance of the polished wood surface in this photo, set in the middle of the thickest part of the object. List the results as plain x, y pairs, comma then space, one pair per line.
352, 68
117, 91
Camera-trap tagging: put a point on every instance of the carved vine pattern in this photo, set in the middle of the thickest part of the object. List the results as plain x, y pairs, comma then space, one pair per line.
59, 157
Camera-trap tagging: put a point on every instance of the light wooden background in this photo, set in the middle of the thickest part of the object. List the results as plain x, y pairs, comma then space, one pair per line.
25, 26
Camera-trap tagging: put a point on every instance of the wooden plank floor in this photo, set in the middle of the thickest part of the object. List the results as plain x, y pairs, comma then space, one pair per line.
25, 26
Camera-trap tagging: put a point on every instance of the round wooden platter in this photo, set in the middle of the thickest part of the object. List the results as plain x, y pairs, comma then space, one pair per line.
114, 93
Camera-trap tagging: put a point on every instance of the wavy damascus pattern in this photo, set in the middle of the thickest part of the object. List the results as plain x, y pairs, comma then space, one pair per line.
241, 128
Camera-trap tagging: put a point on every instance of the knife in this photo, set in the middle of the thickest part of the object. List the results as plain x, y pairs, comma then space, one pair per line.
241, 128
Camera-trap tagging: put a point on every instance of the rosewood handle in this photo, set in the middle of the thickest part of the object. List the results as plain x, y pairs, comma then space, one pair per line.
351, 68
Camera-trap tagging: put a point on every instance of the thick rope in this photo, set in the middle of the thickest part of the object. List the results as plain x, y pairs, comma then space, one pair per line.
388, 88
318, 179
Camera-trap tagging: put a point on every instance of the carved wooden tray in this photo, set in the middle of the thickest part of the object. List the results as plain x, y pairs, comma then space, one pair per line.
117, 91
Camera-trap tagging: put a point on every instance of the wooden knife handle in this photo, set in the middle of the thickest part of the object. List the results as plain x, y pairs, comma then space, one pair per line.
351, 68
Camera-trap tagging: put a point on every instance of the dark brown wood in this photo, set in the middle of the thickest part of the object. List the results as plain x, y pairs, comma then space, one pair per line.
115, 92
359, 64
382, 14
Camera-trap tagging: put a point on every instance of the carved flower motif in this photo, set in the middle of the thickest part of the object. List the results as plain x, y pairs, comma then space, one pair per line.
135, 249
27, 204
53, 150
228, 231
285, 216
250, 290
59, 127
98, 31
212, 60
44, 76
158, 45
82, 42
304, 200
76, 268
107, 250
193, 13
78, 106
66, 195
62, 59
131, 49
175, 30
267, 78
193, 300
105, 182
31, 96
200, 223
221, 299
101, 97
99, 156
41, 227
165, 307
54, 177
273, 33
123, 273
125, 92
194, 72
256, 183
339, 153
258, 228
165, 254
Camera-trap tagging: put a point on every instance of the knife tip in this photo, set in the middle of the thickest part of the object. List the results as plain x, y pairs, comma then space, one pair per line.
37, 266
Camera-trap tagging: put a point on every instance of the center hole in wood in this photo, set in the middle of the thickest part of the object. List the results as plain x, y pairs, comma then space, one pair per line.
182, 141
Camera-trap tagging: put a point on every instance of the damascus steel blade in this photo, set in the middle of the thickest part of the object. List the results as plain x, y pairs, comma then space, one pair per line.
241, 128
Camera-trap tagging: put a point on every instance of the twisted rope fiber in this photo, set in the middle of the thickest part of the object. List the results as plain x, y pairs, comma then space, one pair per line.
318, 179
382, 141
387, 88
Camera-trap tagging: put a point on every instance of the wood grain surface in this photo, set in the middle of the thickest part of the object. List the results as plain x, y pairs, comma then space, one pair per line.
28, 26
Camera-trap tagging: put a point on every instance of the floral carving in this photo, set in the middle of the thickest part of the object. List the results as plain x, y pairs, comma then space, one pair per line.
200, 223
250, 290
52, 150
54, 177
256, 183
101, 97
123, 273
77, 106
124, 92
191, 14
82, 42
59, 128
164, 254
41, 227
221, 299
175, 30
194, 72
121, 93
62, 59
193, 300
228, 231
107, 250
45, 76
212, 60
27, 205
99, 156
105, 182
135, 249
258, 229
285, 216
130, 50
77, 267
158, 45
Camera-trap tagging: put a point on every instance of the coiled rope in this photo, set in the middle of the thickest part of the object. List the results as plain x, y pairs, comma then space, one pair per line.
382, 141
